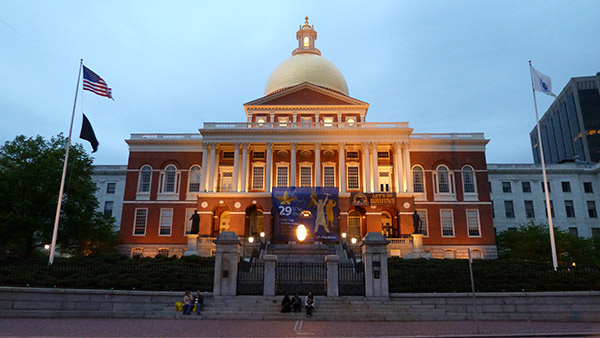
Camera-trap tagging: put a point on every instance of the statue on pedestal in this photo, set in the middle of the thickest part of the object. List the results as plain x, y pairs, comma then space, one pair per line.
195, 223
417, 223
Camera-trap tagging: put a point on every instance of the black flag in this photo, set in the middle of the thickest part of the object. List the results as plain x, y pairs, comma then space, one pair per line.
87, 133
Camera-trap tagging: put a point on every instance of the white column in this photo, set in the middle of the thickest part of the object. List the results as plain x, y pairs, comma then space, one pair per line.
366, 168
236, 166
407, 170
244, 183
318, 165
342, 164
204, 167
376, 187
213, 167
398, 169
268, 168
293, 165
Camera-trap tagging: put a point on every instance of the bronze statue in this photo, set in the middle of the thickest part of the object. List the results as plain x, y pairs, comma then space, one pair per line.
195, 223
417, 223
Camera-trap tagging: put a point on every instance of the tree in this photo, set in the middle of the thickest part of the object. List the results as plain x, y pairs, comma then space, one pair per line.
531, 242
30, 173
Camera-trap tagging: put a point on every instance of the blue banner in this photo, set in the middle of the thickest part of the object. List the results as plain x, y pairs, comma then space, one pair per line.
316, 208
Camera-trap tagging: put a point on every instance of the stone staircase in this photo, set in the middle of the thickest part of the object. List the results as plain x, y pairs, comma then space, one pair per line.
326, 309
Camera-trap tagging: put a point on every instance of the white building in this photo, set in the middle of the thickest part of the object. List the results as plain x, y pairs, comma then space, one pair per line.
517, 195
110, 181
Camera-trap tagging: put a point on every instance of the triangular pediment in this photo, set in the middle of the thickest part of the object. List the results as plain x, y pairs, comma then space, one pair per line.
306, 94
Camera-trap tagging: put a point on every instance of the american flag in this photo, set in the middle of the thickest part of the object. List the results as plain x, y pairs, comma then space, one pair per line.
95, 84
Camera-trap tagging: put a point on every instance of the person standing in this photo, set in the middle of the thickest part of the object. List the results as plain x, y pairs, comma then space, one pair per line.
188, 303
199, 302
309, 304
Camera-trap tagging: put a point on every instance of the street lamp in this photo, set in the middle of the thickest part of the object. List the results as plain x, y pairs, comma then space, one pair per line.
344, 235
353, 240
262, 234
46, 246
250, 239
301, 232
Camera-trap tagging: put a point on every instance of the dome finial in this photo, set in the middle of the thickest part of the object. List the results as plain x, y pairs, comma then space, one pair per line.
306, 22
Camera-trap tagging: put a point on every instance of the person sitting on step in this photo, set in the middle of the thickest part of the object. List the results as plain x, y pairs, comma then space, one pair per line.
286, 304
309, 304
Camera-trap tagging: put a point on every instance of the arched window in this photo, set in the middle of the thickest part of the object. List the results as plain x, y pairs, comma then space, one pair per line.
468, 180
163, 252
443, 180
137, 252
194, 184
418, 179
386, 224
476, 254
145, 179
256, 222
170, 176
449, 254
354, 219
224, 222
306, 41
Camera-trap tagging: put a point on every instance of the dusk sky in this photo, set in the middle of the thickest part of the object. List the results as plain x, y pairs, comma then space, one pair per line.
441, 66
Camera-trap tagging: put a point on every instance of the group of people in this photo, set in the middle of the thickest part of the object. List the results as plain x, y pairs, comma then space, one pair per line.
189, 301
295, 304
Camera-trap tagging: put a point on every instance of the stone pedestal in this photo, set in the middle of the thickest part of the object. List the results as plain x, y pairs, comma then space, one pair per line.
192, 245
374, 255
332, 275
269, 276
418, 251
227, 256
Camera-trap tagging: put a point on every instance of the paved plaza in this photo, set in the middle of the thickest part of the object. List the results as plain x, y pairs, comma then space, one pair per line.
193, 327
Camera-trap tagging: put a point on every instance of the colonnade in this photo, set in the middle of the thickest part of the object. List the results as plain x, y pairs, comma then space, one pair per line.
401, 168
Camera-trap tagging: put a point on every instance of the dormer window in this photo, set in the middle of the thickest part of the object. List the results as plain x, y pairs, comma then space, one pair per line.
306, 41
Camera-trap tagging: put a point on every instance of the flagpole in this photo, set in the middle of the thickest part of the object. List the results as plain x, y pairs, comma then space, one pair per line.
64, 173
548, 207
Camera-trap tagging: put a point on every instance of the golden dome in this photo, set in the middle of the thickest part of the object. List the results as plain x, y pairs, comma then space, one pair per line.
306, 67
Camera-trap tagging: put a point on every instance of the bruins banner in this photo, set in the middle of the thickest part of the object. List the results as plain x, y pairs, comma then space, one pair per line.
316, 208
373, 198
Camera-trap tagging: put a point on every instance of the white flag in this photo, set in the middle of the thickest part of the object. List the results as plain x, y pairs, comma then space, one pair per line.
541, 82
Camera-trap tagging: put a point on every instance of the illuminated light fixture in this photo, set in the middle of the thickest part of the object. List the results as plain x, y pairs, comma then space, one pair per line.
250, 239
301, 232
47, 246
353, 240
305, 213
262, 234
574, 264
344, 235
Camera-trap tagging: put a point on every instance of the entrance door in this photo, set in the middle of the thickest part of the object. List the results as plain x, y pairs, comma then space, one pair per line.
226, 184
385, 182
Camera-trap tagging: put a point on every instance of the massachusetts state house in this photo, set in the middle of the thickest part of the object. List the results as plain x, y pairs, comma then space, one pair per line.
305, 153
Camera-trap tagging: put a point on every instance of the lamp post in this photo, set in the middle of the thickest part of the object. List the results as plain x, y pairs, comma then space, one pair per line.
353, 240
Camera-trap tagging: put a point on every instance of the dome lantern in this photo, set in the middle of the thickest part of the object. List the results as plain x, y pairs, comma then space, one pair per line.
306, 39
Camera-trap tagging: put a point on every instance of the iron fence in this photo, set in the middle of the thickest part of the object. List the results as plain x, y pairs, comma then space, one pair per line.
301, 277
351, 281
251, 278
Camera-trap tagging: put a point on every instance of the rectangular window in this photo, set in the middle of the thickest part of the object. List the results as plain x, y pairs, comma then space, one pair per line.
587, 187
353, 178
424, 226
569, 209
490, 184
473, 223
282, 176
383, 154
329, 176
592, 213
258, 155
108, 208
574, 232
228, 154
352, 155
595, 232
566, 186
328, 121
166, 220
526, 186
447, 222
226, 180
258, 178
551, 208
506, 187
306, 121
509, 210
529, 212
140, 221
549, 187
283, 121
111, 187
305, 176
